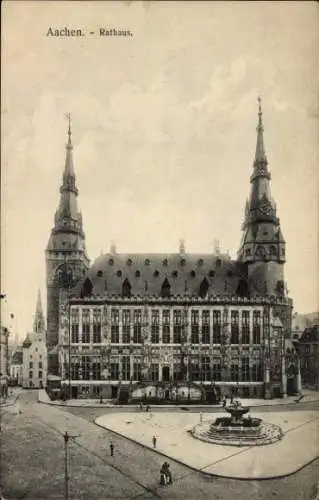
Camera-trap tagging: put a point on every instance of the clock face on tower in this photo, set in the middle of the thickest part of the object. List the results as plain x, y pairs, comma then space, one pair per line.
265, 209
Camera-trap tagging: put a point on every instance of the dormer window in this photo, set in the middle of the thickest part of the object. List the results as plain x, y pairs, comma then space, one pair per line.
211, 274
193, 274
126, 288
182, 262
156, 274
87, 288
137, 274
203, 289
111, 262
119, 273
147, 262
166, 289
165, 262
175, 274
99, 274
200, 262
218, 263
129, 262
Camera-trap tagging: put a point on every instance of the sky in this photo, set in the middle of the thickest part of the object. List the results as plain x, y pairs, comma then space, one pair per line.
164, 131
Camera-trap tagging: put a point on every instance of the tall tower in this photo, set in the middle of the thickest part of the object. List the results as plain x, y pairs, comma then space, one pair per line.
39, 323
66, 244
262, 246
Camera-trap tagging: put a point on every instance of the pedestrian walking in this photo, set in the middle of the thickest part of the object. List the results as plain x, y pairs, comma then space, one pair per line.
111, 449
154, 441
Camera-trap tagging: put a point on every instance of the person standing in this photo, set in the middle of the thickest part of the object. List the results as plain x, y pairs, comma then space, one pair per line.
154, 441
111, 449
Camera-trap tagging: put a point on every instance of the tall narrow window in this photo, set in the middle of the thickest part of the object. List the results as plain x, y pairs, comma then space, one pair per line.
195, 369
115, 370
85, 326
245, 329
177, 326
126, 368
205, 327
126, 326
137, 371
234, 372
97, 326
155, 327
234, 327
195, 327
155, 372
217, 372
115, 328
96, 371
75, 320
245, 369
86, 367
216, 327
256, 327
166, 337
166, 289
137, 327
256, 371
75, 366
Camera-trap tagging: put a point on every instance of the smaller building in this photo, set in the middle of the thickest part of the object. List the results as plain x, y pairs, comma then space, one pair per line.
16, 367
34, 363
309, 355
34, 371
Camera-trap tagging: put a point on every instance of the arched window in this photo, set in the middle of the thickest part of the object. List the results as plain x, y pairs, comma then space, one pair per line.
260, 251
272, 250
86, 288
166, 289
203, 288
126, 288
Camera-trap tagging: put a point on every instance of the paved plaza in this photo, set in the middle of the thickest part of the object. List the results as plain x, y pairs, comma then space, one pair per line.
298, 447
32, 462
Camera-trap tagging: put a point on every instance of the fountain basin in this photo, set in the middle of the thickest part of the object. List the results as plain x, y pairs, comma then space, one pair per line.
237, 430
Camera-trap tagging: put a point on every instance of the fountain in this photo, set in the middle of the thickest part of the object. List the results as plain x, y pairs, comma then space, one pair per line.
237, 430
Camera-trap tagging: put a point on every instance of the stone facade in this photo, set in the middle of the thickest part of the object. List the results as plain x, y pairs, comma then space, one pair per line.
201, 319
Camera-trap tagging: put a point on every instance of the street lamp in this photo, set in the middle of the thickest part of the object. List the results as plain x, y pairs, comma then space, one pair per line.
67, 437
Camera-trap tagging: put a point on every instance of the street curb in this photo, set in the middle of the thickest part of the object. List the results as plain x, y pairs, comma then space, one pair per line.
52, 403
209, 474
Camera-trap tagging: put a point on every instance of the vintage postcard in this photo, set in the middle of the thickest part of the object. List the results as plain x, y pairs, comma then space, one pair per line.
159, 243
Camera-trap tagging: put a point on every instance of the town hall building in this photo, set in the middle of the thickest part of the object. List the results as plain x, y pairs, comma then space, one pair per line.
171, 326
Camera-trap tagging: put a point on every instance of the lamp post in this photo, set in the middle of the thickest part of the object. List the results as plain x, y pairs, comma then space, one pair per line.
67, 437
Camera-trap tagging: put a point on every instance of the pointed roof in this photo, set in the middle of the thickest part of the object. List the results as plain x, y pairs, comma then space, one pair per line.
39, 324
69, 175
260, 162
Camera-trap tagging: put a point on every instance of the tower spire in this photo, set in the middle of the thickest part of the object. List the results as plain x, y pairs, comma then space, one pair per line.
69, 144
260, 162
39, 324
260, 149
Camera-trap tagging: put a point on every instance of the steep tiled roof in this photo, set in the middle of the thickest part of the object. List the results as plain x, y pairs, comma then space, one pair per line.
310, 335
146, 273
27, 342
